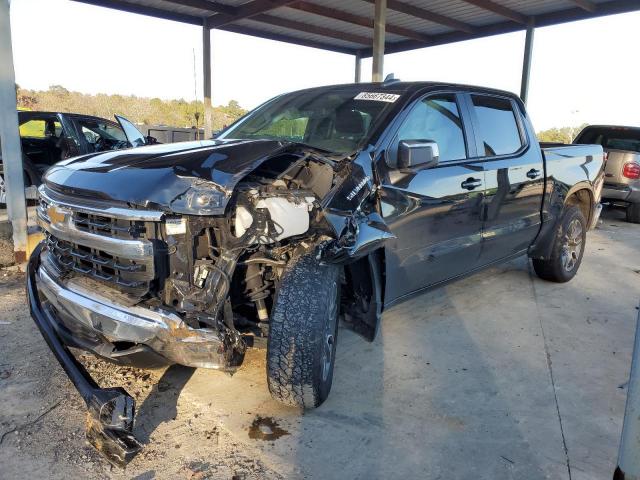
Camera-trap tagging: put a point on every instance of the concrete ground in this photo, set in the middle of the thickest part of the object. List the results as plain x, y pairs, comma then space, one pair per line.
498, 376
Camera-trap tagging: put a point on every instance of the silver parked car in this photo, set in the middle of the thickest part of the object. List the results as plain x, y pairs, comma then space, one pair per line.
622, 172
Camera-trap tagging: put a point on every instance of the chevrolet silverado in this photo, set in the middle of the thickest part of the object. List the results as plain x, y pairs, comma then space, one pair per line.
320, 205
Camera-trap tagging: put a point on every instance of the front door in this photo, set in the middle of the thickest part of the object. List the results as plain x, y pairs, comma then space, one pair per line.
434, 212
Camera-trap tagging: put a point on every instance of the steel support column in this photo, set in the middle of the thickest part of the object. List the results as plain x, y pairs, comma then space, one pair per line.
358, 72
10, 139
629, 453
206, 80
379, 27
526, 62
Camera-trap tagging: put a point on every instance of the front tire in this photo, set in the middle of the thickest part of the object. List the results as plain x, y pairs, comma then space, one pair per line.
568, 248
633, 213
303, 332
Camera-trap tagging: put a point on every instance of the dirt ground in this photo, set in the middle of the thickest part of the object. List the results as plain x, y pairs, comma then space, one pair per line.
530, 388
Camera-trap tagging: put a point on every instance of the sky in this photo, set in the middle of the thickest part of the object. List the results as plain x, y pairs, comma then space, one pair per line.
582, 72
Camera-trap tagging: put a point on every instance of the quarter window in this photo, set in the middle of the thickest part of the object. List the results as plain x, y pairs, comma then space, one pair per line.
435, 118
497, 125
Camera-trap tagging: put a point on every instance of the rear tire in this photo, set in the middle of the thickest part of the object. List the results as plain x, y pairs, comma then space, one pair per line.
568, 248
302, 333
633, 213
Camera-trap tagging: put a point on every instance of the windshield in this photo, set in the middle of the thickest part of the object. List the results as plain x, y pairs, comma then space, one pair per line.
339, 120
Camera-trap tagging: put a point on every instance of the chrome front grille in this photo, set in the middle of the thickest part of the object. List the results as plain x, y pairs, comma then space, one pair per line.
127, 274
109, 226
112, 245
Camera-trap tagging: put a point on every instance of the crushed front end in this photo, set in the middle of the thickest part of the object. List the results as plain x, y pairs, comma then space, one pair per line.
191, 279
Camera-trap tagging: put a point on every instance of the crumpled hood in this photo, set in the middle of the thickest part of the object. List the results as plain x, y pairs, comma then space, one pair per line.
155, 176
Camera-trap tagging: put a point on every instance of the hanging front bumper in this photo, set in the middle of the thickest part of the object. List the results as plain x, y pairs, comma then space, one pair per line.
67, 317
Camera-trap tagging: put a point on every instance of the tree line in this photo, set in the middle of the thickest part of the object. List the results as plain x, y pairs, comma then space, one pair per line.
560, 135
150, 111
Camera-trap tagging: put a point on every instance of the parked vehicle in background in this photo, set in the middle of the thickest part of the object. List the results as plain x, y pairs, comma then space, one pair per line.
48, 137
168, 134
327, 203
622, 171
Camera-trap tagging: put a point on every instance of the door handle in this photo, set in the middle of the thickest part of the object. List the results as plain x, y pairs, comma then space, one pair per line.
533, 173
471, 183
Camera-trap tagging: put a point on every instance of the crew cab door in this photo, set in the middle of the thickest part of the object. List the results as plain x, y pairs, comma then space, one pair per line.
514, 175
434, 211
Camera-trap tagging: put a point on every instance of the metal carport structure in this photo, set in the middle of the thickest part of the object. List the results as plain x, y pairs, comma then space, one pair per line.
362, 28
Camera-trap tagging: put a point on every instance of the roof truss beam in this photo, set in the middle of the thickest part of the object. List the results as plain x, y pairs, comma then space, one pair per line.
503, 11
213, 7
424, 14
587, 5
309, 28
254, 32
248, 10
144, 10
354, 19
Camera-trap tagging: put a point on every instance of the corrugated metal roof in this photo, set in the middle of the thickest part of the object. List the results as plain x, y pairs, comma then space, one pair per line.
347, 25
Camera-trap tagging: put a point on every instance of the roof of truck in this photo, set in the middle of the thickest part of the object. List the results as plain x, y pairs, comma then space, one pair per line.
399, 86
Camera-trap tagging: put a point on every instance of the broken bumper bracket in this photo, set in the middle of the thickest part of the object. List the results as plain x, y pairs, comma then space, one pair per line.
110, 410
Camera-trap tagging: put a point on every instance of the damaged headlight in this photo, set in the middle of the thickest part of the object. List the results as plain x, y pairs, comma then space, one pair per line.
204, 199
199, 200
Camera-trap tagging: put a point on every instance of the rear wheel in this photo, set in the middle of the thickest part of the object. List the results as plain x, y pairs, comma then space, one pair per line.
633, 213
302, 333
568, 248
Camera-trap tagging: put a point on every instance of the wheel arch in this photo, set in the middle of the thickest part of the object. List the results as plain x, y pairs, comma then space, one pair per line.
580, 195
363, 299
583, 197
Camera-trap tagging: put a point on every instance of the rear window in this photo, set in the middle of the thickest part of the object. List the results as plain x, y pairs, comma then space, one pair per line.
612, 139
498, 126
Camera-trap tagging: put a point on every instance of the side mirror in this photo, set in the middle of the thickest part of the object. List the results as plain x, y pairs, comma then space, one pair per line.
151, 140
414, 153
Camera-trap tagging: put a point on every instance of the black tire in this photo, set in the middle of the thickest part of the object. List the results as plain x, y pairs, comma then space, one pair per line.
633, 213
303, 332
566, 255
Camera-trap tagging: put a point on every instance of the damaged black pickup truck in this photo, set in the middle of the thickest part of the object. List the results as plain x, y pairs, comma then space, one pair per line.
324, 204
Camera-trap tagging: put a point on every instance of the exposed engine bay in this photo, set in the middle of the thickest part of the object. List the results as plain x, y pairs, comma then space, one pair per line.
224, 272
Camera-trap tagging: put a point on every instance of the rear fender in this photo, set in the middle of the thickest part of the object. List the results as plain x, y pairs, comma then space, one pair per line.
555, 203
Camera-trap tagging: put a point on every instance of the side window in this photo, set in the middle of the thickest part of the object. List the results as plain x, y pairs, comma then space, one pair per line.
102, 135
497, 125
40, 128
435, 118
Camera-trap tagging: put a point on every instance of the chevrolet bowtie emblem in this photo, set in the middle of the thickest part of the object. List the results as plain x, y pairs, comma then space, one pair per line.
55, 214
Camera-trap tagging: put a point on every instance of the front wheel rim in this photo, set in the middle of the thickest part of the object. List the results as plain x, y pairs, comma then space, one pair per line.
328, 337
572, 245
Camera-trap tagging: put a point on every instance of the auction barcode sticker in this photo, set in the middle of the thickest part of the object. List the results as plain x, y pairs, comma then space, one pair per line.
377, 97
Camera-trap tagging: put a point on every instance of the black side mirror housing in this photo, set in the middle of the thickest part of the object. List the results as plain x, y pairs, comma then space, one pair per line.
151, 140
418, 153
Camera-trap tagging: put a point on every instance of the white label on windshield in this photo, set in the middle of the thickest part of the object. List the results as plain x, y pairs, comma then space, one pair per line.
377, 97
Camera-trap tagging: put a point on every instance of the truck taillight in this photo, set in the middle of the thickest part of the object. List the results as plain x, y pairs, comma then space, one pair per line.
631, 170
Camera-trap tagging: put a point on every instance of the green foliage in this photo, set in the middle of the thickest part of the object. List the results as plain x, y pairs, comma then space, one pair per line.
560, 135
151, 111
